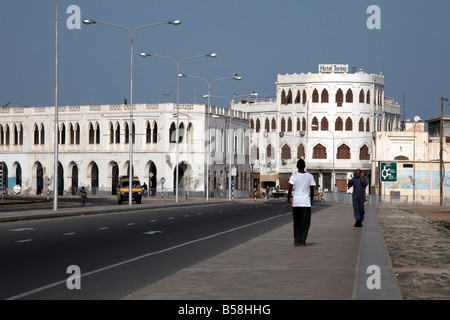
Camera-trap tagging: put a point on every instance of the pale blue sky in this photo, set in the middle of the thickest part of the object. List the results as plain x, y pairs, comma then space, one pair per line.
253, 38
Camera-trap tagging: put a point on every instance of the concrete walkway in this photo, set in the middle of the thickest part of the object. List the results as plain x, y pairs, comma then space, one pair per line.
271, 268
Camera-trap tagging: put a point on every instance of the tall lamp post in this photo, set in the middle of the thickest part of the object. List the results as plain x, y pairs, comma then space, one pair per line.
441, 153
130, 133
416, 120
209, 83
178, 63
187, 134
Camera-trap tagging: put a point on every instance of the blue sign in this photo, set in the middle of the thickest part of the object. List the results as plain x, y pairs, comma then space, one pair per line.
233, 183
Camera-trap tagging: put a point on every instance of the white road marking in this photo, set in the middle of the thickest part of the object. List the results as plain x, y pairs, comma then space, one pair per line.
131, 224
152, 221
51, 285
171, 218
186, 215
103, 228
25, 240
69, 233
152, 232
21, 229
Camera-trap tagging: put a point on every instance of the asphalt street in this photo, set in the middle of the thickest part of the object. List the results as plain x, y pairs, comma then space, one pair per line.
120, 253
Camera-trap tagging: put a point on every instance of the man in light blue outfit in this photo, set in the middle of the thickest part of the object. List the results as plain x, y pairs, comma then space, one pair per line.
359, 184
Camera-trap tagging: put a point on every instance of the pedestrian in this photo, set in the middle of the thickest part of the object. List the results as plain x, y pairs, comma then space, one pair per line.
359, 184
319, 192
220, 191
301, 185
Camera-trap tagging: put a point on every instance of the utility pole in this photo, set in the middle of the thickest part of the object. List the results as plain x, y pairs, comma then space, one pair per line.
441, 152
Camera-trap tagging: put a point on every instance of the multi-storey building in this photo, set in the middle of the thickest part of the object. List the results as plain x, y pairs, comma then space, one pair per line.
326, 118
94, 148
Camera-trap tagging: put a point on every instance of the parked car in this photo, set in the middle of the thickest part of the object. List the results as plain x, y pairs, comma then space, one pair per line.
123, 190
277, 192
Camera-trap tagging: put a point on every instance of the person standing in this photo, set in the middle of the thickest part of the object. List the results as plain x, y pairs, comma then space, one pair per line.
302, 185
359, 184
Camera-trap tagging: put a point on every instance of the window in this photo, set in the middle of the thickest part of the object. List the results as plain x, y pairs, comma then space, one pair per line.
297, 97
339, 98
315, 124
324, 96
269, 151
274, 124
20, 135
285, 152
348, 124
36, 134
319, 152
97, 133
338, 125
258, 125
349, 96
63, 134
361, 125
315, 96
301, 152
148, 133
361, 96
155, 132
71, 134
42, 134
16, 135
91, 133
368, 97
283, 125
303, 124
298, 124
343, 152
283, 97
2, 135
77, 133
252, 124
324, 124
289, 126
289, 97
127, 133
267, 125
172, 133
304, 97
368, 125
111, 133
257, 153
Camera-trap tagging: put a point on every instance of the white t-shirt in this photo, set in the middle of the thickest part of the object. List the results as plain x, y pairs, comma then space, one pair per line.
301, 183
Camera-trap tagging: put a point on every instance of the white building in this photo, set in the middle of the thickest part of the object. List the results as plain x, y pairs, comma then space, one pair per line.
94, 148
326, 118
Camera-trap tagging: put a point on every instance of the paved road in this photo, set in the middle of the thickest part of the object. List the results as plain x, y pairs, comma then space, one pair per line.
121, 253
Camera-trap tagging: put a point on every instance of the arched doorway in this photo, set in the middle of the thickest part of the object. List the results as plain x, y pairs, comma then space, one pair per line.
4, 177
74, 179
60, 179
39, 179
18, 177
182, 168
114, 177
152, 179
94, 178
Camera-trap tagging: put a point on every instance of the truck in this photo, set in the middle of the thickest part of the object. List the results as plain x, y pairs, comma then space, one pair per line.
123, 190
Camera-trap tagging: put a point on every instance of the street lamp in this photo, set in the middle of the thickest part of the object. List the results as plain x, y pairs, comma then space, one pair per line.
178, 63
175, 115
416, 120
130, 133
209, 83
333, 175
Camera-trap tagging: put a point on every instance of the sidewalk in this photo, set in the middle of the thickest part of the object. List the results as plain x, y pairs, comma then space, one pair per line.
271, 268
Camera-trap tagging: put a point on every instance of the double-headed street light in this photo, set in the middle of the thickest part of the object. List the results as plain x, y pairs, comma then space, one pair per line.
209, 83
130, 140
178, 63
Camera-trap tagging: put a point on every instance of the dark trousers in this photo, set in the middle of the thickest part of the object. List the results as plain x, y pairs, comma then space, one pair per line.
302, 221
358, 208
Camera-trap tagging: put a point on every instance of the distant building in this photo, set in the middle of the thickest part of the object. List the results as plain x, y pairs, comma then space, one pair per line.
94, 148
326, 117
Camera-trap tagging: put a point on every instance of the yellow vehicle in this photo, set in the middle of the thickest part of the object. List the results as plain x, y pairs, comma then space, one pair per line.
123, 190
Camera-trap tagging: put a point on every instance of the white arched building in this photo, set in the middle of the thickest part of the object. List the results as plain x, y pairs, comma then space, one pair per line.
326, 118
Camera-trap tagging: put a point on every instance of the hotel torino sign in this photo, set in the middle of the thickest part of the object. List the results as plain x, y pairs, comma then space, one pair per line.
333, 67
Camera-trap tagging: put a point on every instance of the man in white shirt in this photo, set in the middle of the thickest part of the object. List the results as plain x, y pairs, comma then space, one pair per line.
303, 185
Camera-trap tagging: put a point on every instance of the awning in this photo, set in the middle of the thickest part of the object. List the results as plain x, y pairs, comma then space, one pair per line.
268, 177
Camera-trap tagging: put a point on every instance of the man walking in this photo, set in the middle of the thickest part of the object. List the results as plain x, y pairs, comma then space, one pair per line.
303, 185
359, 184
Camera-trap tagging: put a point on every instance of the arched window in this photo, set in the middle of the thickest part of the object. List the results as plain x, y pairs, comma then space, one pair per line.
36, 134
91, 133
2, 135
361, 125
315, 96
20, 135
297, 97
368, 97
133, 132
343, 152
289, 125
348, 124
349, 96
252, 124
361, 96
368, 125
339, 98
172, 133
77, 133
300, 152
181, 132
7, 135
289, 97
315, 124
283, 125
274, 124
42, 134
269, 151
283, 97
339, 124
148, 133
303, 124
63, 134
111, 133
127, 132
258, 125
324, 124
319, 152
97, 133
71, 134
304, 97
364, 153
299, 128
285, 152
16, 135
155, 132
324, 96
267, 125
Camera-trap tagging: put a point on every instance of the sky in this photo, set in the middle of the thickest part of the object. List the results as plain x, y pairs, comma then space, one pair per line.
256, 39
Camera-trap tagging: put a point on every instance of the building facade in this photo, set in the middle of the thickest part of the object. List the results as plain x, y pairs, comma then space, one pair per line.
326, 118
94, 148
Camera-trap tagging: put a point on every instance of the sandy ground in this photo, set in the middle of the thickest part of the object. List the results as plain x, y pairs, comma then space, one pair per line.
418, 242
